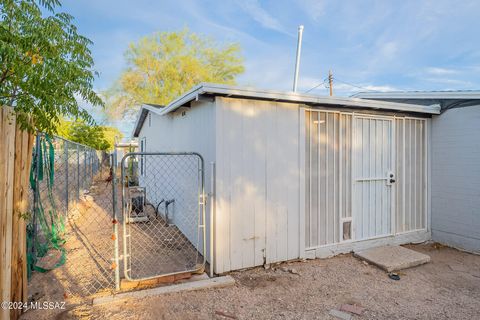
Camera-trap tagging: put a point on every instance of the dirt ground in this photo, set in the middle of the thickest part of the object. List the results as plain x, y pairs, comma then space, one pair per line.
446, 288
88, 248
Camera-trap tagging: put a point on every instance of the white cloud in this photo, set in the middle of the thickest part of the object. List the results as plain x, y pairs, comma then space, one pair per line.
440, 71
380, 88
254, 9
448, 81
389, 49
313, 8
347, 88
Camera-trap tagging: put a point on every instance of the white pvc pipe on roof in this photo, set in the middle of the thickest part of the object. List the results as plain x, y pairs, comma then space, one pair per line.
297, 62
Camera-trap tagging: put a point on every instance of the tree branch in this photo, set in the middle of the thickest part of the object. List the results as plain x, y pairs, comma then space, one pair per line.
4, 76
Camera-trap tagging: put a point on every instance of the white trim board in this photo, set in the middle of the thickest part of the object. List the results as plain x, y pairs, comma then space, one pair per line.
346, 247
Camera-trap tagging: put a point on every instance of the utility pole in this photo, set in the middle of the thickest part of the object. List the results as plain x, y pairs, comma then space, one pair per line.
330, 82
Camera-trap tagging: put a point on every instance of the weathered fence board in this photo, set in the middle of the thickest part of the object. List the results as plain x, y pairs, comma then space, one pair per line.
15, 158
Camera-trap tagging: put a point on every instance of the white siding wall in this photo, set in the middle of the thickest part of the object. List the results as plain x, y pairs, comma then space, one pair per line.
411, 185
257, 212
328, 176
456, 178
192, 132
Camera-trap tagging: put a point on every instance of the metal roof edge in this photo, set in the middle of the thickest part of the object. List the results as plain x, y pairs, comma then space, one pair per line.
142, 114
284, 96
207, 88
434, 95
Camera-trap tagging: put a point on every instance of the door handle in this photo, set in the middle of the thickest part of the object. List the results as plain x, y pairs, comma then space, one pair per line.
390, 178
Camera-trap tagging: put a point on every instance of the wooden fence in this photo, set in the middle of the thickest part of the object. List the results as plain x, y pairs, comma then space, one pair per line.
15, 160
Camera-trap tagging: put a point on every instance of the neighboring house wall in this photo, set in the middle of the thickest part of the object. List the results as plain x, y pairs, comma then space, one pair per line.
456, 178
257, 186
186, 130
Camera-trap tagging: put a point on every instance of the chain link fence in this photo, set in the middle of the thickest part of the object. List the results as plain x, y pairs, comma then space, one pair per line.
163, 214
90, 228
71, 225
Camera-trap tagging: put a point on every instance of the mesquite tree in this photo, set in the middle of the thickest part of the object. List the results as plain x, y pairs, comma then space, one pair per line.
164, 65
46, 67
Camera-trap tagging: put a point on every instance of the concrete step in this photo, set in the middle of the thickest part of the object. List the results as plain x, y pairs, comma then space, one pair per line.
392, 258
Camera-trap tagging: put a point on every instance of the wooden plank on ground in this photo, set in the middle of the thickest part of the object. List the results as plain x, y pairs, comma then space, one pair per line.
142, 284
211, 283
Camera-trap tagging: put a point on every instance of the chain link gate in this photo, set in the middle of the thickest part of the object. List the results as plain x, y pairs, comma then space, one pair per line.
163, 214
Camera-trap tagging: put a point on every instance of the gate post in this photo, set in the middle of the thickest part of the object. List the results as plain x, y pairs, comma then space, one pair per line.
36, 194
211, 214
115, 220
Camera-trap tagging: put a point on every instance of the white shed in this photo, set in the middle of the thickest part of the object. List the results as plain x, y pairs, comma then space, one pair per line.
300, 176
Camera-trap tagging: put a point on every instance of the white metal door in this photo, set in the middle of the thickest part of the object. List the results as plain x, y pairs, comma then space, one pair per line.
373, 176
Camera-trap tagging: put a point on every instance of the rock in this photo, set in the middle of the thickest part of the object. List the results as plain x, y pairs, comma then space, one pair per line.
352, 309
224, 314
293, 271
340, 314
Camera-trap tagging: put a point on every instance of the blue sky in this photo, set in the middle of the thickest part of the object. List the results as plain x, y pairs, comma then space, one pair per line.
373, 44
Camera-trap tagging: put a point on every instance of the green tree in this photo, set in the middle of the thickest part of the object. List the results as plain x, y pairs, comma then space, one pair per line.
166, 64
95, 136
45, 65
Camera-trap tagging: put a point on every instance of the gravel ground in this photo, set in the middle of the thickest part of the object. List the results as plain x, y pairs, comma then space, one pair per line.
446, 288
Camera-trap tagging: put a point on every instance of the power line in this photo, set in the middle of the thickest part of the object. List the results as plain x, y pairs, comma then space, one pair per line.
353, 85
344, 82
318, 85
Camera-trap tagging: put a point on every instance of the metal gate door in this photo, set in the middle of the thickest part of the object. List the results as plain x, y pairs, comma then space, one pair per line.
373, 176
163, 214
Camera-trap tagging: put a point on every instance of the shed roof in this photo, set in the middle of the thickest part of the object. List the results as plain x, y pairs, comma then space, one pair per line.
430, 95
443, 99
142, 115
281, 96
